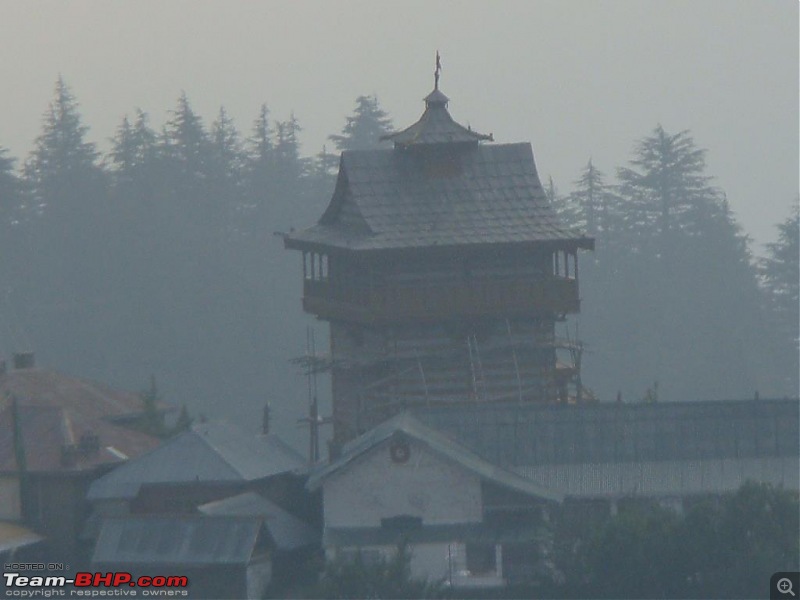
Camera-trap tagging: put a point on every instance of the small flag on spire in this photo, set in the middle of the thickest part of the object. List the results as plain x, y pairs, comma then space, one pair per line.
438, 69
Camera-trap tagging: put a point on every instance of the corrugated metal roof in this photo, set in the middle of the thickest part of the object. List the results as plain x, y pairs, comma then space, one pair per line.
177, 540
392, 199
287, 531
210, 452
405, 424
664, 478
513, 434
620, 449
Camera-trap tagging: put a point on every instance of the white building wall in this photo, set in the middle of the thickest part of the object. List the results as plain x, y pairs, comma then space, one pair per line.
374, 487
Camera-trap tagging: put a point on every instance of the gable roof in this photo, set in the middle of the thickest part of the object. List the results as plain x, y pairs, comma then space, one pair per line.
405, 424
391, 199
173, 540
209, 452
287, 531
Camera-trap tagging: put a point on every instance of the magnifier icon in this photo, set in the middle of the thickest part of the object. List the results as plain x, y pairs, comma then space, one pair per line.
784, 586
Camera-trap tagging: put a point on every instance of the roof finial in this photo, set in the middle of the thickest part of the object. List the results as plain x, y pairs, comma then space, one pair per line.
436, 71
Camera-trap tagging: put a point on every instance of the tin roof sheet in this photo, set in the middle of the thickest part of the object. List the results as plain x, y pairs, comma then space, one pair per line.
174, 540
287, 531
210, 452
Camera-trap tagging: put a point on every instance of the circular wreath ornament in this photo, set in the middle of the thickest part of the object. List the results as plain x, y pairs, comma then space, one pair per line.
399, 451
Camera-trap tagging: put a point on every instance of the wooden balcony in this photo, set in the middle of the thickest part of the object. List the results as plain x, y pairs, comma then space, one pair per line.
329, 300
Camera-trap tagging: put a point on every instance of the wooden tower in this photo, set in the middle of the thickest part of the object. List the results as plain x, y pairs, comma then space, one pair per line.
442, 271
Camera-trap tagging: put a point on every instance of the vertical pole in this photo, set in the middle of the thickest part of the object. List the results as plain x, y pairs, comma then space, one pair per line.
424, 381
516, 363
575, 256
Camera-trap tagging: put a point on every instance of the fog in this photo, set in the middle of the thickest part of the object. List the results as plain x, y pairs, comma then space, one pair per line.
576, 79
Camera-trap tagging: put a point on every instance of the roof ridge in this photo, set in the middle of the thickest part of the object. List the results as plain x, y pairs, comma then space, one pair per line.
438, 442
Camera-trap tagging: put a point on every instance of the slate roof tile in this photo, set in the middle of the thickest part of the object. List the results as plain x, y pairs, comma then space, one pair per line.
495, 196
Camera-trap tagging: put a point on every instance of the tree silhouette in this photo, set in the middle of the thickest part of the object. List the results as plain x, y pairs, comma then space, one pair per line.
364, 128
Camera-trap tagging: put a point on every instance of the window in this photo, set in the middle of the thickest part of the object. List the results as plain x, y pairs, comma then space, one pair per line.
481, 559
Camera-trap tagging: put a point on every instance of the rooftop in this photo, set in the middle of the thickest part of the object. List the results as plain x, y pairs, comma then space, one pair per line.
174, 540
53, 439
287, 531
405, 424
209, 452
435, 126
390, 200
616, 449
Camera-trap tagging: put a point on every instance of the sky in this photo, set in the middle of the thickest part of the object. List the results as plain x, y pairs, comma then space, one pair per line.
579, 79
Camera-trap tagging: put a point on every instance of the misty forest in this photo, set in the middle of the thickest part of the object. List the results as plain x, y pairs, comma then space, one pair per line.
160, 258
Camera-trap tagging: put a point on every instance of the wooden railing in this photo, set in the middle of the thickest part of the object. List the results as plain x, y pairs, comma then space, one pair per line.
328, 299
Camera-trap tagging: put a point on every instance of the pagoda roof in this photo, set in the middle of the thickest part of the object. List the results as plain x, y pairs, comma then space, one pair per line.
455, 195
435, 126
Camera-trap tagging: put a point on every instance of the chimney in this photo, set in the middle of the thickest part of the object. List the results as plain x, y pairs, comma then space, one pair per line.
24, 360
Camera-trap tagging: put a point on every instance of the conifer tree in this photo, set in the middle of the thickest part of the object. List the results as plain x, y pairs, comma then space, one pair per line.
10, 190
62, 169
364, 128
134, 151
666, 188
186, 146
593, 202
780, 272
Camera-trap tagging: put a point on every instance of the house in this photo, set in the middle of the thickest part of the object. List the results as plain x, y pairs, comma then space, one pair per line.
220, 557
467, 522
209, 462
293, 542
57, 435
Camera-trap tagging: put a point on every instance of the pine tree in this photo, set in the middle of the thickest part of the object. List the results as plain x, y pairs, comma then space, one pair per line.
780, 269
226, 147
287, 149
364, 128
10, 190
780, 272
593, 202
673, 295
261, 152
665, 187
185, 145
134, 150
63, 165
561, 204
